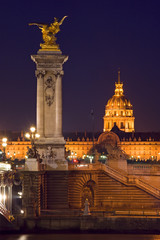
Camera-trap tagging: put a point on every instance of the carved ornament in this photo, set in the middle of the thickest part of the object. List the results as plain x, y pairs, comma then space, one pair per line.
49, 91
40, 73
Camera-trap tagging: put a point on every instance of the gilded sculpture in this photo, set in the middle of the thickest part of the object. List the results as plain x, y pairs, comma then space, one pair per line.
48, 34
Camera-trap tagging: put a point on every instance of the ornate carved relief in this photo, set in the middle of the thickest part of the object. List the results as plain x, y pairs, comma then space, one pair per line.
49, 153
59, 73
49, 90
40, 73
49, 156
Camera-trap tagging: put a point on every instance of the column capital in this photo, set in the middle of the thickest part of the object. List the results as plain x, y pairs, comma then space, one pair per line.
59, 73
40, 73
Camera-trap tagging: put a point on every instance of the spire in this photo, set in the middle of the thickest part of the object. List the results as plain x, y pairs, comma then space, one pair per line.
119, 86
119, 76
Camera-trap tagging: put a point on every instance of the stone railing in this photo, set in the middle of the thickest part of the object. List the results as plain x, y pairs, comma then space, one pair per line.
146, 186
117, 174
4, 212
120, 176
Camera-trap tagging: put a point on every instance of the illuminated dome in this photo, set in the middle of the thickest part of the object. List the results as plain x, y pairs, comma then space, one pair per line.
119, 110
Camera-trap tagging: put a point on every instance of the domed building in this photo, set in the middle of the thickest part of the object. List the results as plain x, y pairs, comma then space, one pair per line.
118, 130
119, 110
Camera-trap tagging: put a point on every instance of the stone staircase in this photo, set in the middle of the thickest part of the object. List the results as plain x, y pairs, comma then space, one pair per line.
121, 176
131, 180
57, 190
114, 191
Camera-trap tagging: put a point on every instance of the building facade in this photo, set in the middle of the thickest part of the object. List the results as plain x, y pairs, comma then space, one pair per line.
119, 119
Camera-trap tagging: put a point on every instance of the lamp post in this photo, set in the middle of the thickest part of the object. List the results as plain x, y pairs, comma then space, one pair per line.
32, 135
4, 145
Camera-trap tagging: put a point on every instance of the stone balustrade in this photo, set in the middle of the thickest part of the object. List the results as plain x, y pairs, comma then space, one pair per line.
119, 175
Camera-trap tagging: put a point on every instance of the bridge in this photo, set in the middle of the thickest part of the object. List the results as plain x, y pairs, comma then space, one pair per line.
6, 184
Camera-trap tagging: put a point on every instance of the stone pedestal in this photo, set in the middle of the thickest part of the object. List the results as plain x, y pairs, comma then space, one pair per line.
31, 164
49, 72
120, 163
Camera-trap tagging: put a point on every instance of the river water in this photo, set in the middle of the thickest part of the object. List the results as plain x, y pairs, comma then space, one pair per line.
79, 237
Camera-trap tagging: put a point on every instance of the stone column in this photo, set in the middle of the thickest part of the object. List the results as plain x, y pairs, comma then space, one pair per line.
58, 128
51, 144
40, 102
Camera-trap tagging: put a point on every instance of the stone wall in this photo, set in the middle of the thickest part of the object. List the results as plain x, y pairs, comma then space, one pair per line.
69, 189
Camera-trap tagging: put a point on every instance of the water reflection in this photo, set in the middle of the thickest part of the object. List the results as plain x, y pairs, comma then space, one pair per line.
23, 237
79, 237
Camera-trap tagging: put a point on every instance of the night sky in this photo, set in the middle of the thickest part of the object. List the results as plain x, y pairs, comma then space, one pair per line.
99, 37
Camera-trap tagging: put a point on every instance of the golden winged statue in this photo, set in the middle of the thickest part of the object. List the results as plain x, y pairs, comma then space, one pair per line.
48, 33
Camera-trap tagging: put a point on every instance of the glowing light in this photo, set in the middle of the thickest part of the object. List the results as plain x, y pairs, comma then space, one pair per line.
2, 197
32, 129
27, 135
22, 211
5, 166
4, 144
82, 165
4, 140
75, 160
37, 135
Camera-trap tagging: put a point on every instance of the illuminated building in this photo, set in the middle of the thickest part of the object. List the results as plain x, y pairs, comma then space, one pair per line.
17, 145
119, 110
119, 120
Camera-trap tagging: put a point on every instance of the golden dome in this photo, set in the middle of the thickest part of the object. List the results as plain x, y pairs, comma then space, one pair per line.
118, 100
119, 110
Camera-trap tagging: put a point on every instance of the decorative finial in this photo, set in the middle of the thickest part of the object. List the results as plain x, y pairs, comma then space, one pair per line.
119, 76
48, 33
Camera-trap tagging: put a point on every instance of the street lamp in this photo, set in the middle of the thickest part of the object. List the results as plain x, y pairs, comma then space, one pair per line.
32, 135
4, 145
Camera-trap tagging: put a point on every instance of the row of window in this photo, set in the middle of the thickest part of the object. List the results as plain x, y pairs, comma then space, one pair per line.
119, 113
139, 148
122, 125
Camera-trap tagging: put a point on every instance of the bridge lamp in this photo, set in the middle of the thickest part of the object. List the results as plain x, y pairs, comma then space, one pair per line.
32, 135
20, 194
32, 129
27, 135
